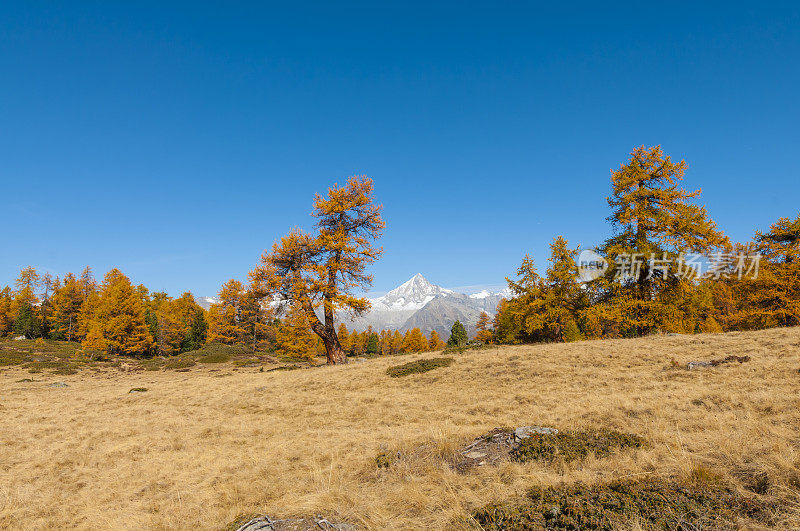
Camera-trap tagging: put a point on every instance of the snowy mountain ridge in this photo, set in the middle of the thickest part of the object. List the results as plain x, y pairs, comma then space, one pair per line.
418, 303
413, 294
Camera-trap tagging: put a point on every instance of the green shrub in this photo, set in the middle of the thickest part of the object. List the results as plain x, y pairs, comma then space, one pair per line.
652, 504
11, 359
214, 358
418, 366
138, 390
572, 445
232, 351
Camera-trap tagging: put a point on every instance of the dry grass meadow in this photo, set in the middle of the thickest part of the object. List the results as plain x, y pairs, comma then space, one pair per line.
202, 447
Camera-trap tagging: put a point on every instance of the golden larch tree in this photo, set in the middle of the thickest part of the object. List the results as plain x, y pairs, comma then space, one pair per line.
120, 317
483, 328
294, 338
321, 271
225, 323
435, 342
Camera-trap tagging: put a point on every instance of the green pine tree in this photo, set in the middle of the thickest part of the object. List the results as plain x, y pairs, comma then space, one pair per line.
372, 344
458, 336
27, 322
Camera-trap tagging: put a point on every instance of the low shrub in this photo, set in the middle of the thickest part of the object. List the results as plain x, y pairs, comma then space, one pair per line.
572, 445
214, 358
7, 358
649, 504
419, 366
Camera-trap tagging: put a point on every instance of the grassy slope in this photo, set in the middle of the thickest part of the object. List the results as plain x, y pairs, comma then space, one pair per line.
202, 447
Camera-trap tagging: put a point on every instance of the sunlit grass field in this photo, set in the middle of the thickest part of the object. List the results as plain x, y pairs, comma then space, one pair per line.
202, 447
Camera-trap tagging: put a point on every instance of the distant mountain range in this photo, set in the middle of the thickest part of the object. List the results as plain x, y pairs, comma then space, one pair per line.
418, 303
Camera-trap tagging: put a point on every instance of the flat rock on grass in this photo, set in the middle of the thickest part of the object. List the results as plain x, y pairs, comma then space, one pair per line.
716, 363
265, 523
496, 446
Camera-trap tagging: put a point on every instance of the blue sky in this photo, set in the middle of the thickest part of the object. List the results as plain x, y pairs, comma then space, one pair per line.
177, 141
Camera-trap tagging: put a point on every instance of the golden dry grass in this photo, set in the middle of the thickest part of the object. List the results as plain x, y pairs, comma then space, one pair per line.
202, 447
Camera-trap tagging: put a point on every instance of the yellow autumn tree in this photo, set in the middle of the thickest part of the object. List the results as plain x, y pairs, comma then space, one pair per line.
773, 297
435, 342
483, 328
322, 270
563, 297
26, 306
294, 338
344, 338
66, 302
523, 317
119, 318
414, 341
178, 325
225, 324
6, 315
396, 342
94, 342
653, 219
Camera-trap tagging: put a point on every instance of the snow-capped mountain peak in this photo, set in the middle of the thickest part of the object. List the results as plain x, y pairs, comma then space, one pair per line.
410, 295
482, 294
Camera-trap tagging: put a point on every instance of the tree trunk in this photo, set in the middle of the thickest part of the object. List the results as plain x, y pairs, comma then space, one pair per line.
333, 349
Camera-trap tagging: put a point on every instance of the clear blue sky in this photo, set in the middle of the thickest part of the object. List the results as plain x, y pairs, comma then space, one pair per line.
177, 141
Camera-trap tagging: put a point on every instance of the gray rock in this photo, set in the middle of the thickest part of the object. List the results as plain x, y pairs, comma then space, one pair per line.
695, 364
523, 432
258, 524
58, 384
475, 455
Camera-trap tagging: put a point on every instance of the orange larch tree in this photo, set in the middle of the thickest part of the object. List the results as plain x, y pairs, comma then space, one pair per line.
321, 271
483, 328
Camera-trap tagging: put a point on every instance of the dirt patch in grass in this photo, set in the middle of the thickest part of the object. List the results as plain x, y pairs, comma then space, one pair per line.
179, 363
285, 368
65, 371
419, 366
572, 445
688, 504
247, 362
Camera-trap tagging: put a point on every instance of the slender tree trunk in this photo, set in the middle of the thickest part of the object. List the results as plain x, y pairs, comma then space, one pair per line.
333, 349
